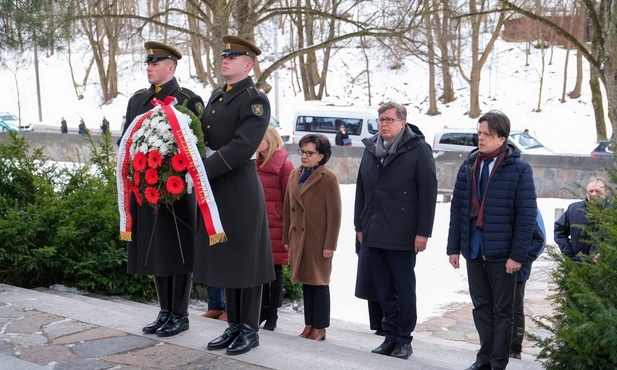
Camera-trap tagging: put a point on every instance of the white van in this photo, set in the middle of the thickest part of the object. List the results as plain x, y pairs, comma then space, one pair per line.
465, 140
326, 119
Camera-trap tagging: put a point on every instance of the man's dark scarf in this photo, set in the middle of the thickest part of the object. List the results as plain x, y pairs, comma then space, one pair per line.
477, 206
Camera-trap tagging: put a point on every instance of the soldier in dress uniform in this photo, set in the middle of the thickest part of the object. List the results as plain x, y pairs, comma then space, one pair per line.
234, 123
163, 240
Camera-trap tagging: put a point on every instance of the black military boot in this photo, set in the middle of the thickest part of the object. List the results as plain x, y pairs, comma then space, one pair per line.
232, 304
163, 291
179, 320
249, 322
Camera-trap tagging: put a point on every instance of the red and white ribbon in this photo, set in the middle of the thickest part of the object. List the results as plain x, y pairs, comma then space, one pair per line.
180, 128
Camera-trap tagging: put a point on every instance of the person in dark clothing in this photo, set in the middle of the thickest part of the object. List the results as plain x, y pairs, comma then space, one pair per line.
104, 126
163, 241
492, 217
236, 119
273, 168
365, 289
396, 195
538, 241
83, 130
342, 136
63, 126
568, 233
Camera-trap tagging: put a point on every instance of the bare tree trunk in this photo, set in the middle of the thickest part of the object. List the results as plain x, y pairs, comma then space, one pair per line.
432, 91
576, 92
543, 59
478, 59
565, 75
442, 29
195, 42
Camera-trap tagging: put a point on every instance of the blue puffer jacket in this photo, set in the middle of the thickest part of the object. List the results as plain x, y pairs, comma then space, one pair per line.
509, 212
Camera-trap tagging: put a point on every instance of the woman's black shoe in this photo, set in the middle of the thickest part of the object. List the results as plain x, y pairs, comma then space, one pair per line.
271, 322
175, 325
160, 321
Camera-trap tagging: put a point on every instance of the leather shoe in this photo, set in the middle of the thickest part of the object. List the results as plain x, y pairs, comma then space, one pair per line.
402, 350
161, 319
306, 332
224, 340
213, 314
318, 334
175, 325
479, 366
385, 348
247, 340
223, 316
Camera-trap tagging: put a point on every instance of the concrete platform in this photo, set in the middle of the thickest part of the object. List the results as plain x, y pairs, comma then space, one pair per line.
54, 330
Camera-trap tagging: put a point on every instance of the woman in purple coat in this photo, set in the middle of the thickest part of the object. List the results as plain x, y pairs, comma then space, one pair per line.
273, 168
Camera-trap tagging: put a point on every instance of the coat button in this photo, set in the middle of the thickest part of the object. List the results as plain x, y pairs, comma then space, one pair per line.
208, 127
220, 99
213, 111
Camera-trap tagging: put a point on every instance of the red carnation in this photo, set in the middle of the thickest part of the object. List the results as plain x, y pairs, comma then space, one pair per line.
152, 195
179, 162
174, 185
139, 162
137, 178
154, 159
152, 176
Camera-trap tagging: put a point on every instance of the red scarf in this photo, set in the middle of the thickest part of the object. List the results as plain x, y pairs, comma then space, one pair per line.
477, 206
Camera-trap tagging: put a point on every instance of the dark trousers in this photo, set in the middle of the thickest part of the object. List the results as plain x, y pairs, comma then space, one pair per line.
243, 306
375, 315
519, 318
316, 305
395, 281
272, 294
492, 294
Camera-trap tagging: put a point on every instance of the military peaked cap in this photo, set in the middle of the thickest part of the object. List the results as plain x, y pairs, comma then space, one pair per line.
235, 46
158, 51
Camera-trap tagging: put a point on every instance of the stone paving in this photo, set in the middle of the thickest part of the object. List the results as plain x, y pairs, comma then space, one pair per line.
63, 331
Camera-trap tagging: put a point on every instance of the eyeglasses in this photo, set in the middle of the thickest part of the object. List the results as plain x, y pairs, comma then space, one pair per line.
308, 153
388, 120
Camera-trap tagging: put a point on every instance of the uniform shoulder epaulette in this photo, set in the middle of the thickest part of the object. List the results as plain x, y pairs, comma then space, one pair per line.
252, 91
139, 92
186, 92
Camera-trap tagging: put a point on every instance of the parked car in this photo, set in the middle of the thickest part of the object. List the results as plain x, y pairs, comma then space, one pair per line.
465, 140
13, 122
5, 127
604, 149
284, 135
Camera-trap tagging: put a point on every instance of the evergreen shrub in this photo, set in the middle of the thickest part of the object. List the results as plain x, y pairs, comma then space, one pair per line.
583, 326
59, 223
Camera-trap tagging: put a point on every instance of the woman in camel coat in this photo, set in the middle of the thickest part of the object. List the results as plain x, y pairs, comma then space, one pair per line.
311, 223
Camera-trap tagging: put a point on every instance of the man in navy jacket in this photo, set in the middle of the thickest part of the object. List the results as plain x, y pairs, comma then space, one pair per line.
492, 217
569, 233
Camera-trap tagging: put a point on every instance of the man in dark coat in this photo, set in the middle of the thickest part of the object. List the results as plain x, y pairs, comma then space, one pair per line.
396, 194
235, 121
63, 126
492, 217
163, 239
569, 233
